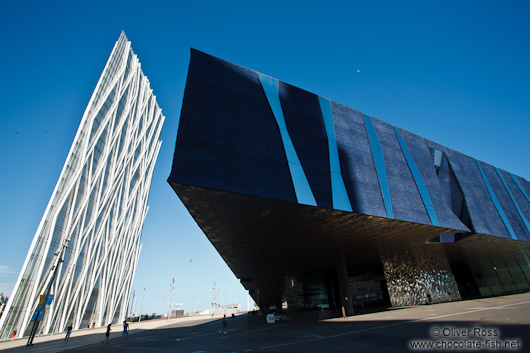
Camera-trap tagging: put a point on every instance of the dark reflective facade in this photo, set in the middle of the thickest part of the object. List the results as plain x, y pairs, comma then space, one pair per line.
316, 206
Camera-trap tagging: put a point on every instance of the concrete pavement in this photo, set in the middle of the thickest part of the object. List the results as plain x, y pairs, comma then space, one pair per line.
79, 338
500, 324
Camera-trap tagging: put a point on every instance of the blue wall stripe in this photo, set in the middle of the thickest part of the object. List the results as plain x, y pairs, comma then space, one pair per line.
424, 193
379, 161
339, 196
520, 187
525, 221
496, 202
303, 192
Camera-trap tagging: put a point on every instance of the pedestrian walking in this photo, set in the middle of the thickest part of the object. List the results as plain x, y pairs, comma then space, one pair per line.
223, 325
13, 335
107, 334
125, 330
68, 333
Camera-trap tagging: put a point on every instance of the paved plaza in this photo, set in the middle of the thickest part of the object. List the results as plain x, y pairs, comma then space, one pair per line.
500, 324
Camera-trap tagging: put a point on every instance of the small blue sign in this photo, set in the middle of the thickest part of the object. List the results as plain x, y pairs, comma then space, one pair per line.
37, 314
49, 299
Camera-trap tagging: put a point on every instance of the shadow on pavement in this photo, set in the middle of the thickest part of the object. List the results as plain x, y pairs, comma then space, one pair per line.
326, 336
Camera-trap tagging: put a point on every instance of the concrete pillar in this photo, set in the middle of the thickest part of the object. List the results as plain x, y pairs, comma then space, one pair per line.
346, 301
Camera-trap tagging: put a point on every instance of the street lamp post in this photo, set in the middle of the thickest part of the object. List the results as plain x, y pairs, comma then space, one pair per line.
171, 286
129, 306
142, 306
215, 294
42, 305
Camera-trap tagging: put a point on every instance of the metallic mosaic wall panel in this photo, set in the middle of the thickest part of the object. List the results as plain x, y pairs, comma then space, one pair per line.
414, 274
97, 208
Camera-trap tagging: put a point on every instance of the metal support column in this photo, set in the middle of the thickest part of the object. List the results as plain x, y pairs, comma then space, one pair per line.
344, 288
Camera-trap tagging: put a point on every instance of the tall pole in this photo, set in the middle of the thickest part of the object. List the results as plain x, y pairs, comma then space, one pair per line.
171, 286
42, 307
129, 306
215, 294
142, 306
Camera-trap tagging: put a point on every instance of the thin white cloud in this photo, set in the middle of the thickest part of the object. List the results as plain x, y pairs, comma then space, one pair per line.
7, 288
8, 277
6, 270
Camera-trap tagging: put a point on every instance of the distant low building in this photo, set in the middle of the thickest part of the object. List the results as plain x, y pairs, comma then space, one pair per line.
222, 310
176, 313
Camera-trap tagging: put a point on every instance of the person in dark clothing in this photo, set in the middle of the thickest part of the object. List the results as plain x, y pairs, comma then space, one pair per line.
68, 333
224, 324
429, 299
107, 334
125, 330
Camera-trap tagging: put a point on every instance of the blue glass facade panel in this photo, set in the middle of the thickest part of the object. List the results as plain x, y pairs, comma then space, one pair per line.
356, 162
407, 203
419, 181
520, 187
304, 122
523, 218
519, 194
304, 195
379, 161
423, 156
505, 200
482, 215
496, 202
269, 139
522, 203
338, 190
230, 152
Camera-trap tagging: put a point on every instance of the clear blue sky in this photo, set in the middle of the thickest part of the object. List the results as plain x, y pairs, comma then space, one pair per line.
456, 72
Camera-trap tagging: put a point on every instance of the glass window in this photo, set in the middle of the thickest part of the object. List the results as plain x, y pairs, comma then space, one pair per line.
524, 263
502, 272
478, 275
515, 271
437, 160
490, 272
